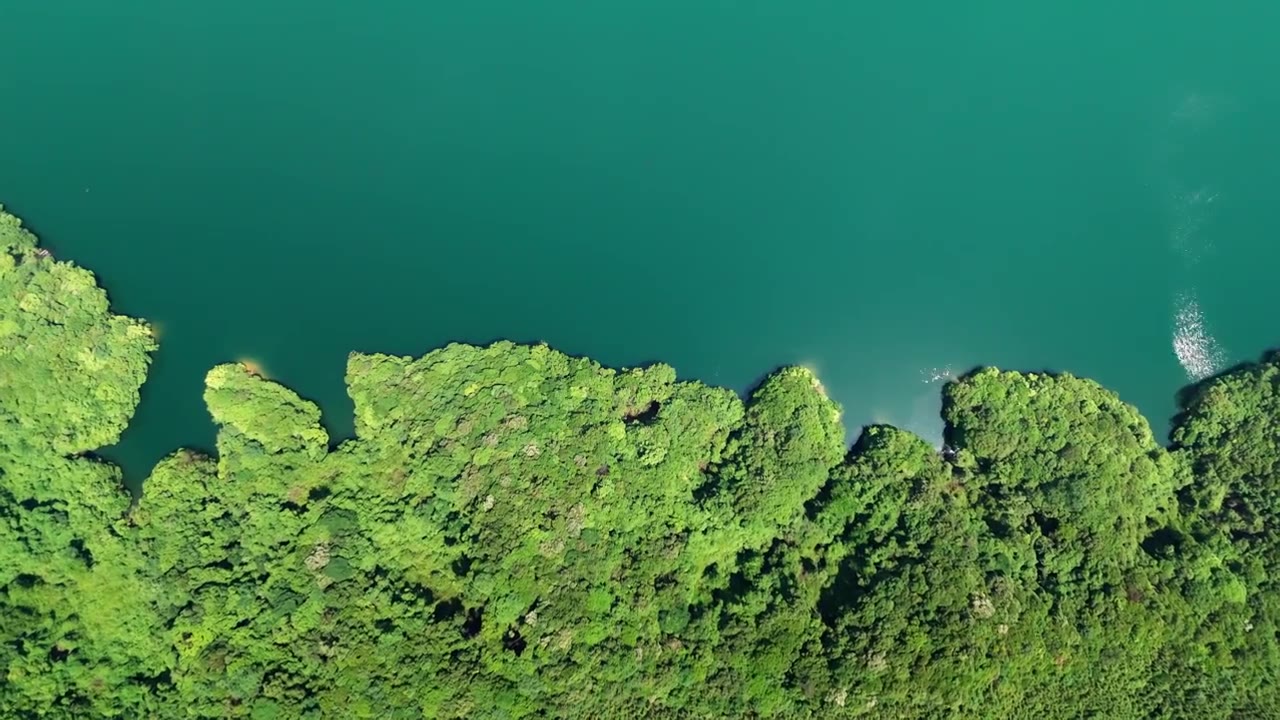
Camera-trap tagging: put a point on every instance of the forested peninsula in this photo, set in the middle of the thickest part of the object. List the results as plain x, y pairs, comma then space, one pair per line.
516, 533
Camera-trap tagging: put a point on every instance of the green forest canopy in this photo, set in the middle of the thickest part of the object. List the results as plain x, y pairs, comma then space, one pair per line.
517, 533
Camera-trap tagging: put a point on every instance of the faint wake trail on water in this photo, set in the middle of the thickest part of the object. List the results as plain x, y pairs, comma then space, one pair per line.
1192, 207
1192, 210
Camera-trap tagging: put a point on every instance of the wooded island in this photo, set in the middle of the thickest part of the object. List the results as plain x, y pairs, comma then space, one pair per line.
516, 533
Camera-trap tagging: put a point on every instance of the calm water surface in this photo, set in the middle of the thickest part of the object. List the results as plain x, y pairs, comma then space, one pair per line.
886, 194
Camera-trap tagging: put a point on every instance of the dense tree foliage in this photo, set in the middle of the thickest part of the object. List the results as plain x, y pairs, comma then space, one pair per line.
516, 533
72, 632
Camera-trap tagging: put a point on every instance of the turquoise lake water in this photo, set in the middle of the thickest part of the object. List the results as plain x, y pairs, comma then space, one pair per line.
890, 194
